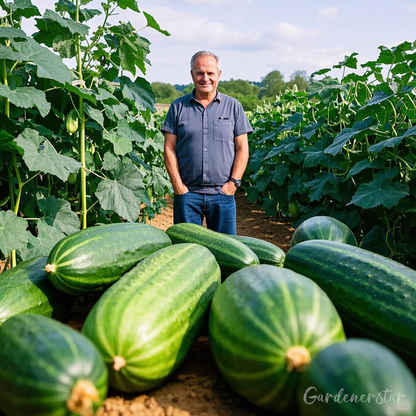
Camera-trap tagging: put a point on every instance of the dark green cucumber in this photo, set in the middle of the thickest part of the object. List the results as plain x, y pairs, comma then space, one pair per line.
375, 296
357, 377
268, 253
231, 255
323, 228
145, 324
94, 258
48, 369
265, 325
26, 289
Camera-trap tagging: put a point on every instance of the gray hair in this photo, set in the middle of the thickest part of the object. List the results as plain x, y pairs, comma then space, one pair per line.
205, 53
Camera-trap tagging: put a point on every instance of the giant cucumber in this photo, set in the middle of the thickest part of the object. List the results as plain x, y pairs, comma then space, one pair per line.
26, 289
375, 296
266, 324
94, 258
231, 254
48, 369
145, 324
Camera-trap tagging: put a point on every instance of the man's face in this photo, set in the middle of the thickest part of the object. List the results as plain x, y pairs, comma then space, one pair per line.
205, 75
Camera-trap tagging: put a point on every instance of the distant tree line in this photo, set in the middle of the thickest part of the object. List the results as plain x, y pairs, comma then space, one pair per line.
249, 93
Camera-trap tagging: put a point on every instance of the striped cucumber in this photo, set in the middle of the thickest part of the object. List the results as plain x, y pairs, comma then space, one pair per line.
268, 253
231, 255
48, 369
375, 296
26, 289
265, 325
92, 259
146, 323
357, 377
323, 228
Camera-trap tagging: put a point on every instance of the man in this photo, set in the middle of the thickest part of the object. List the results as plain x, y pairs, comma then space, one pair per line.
206, 149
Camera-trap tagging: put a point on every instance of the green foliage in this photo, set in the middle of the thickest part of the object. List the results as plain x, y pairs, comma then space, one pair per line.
165, 93
345, 148
53, 181
274, 84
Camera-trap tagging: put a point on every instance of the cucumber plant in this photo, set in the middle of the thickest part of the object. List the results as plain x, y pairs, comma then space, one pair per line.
91, 122
344, 148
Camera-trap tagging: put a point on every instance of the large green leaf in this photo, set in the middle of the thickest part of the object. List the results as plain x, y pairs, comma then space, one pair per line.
293, 121
122, 145
280, 174
297, 184
393, 141
41, 245
48, 64
287, 145
13, 233
323, 184
123, 194
140, 91
380, 191
135, 132
378, 163
159, 180
22, 8
347, 134
12, 33
151, 22
52, 22
315, 156
7, 142
39, 155
94, 114
128, 4
26, 97
58, 213
378, 97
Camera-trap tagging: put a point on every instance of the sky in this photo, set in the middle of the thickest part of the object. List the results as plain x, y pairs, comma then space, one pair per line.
255, 37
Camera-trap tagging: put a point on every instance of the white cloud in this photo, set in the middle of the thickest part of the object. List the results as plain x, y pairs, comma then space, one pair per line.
201, 31
328, 13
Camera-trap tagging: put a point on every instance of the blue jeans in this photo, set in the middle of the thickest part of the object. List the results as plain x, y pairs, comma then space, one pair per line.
219, 211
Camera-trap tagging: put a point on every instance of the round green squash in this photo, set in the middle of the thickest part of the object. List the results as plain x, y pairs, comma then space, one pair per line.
357, 377
146, 323
265, 325
48, 369
323, 228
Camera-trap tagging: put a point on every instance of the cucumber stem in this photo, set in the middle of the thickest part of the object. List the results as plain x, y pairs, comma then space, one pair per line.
50, 268
298, 358
82, 397
118, 362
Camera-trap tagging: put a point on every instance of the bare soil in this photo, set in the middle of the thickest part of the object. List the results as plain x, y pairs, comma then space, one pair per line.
196, 388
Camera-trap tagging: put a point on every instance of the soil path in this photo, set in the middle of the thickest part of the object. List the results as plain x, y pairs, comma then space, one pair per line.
197, 388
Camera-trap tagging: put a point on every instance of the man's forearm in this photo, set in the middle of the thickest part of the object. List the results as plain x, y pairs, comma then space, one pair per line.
241, 157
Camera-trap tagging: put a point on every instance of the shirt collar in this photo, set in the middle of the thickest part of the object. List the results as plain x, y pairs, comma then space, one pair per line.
218, 97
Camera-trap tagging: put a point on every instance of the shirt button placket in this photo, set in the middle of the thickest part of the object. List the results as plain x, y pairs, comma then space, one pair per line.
205, 162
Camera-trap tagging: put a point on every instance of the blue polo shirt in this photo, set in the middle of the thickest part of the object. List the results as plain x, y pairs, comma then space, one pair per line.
205, 146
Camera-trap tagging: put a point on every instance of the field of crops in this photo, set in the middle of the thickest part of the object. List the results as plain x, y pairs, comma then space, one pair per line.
326, 326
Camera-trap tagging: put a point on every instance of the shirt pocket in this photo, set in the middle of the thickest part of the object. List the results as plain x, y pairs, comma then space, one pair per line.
223, 130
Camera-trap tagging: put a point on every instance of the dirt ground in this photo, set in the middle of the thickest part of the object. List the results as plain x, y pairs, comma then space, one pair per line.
197, 388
